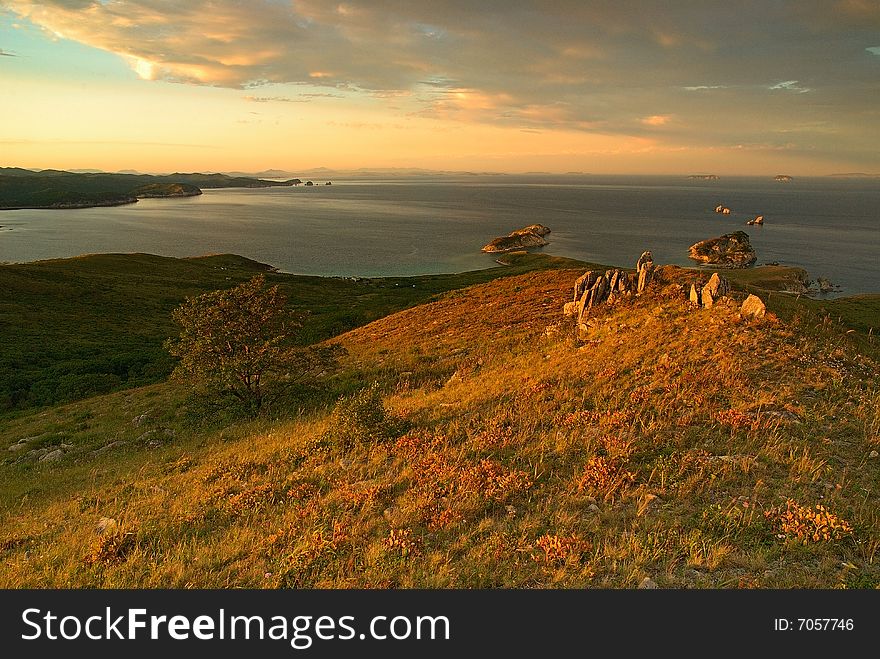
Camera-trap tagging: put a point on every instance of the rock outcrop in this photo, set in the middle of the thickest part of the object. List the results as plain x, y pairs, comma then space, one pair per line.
758, 220
530, 236
594, 287
732, 250
716, 288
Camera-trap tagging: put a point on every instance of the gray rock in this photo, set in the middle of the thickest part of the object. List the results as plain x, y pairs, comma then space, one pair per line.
52, 456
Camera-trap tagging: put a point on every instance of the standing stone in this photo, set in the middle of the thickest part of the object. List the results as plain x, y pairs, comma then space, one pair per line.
695, 296
583, 283
570, 309
599, 290
645, 274
716, 287
753, 307
612, 281
644, 271
644, 259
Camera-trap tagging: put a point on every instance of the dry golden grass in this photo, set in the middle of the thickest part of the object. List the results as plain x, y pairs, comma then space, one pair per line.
659, 441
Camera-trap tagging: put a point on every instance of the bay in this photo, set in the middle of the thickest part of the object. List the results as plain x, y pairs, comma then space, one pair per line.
829, 226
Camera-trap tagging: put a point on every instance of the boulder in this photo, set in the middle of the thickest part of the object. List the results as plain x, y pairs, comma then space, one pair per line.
106, 524
570, 309
732, 250
753, 307
648, 584
51, 456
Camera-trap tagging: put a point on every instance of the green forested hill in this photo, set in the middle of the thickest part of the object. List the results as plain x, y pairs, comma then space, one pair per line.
58, 189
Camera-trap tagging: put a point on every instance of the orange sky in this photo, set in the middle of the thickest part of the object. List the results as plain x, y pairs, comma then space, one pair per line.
597, 87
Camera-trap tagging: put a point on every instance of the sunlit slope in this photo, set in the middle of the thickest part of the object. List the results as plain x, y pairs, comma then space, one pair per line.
502, 447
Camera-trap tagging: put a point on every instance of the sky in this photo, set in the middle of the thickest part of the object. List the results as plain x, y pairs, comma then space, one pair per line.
607, 86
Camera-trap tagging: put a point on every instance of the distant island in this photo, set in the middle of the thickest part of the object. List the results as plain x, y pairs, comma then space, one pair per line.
530, 236
57, 189
785, 178
705, 177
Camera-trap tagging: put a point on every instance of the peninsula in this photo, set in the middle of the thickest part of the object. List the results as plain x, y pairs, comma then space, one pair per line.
23, 188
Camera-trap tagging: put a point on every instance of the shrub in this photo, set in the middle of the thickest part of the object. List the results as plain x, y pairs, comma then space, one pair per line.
361, 419
807, 524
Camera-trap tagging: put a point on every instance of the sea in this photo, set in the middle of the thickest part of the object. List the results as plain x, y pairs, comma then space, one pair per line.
397, 227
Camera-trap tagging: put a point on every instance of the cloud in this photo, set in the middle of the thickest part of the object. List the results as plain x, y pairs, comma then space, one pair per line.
275, 99
656, 120
6, 53
603, 66
791, 86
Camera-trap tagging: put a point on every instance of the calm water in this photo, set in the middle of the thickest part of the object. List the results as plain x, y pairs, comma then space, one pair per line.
831, 227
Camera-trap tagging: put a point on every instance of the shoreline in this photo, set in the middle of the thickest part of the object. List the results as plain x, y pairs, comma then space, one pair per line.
499, 263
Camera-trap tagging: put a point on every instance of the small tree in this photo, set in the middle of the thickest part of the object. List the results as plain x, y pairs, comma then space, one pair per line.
238, 342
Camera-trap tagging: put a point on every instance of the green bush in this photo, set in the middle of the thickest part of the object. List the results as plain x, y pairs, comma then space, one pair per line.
361, 419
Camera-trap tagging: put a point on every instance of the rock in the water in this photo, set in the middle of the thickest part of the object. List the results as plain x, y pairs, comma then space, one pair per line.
825, 286
530, 236
648, 584
758, 220
732, 250
753, 307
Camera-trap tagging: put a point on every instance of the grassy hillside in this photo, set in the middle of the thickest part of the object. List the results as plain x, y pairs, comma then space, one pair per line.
498, 447
71, 328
